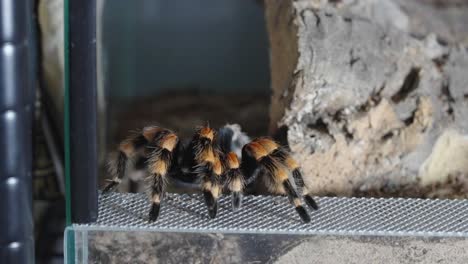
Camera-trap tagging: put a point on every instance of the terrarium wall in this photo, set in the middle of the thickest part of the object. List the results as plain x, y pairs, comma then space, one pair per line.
374, 94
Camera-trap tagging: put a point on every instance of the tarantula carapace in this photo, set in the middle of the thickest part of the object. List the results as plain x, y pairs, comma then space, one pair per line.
210, 160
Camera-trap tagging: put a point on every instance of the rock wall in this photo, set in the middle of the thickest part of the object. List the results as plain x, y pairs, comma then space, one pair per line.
366, 88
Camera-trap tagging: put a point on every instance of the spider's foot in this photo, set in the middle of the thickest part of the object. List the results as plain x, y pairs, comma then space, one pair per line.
213, 211
154, 213
211, 203
236, 200
110, 187
311, 202
303, 214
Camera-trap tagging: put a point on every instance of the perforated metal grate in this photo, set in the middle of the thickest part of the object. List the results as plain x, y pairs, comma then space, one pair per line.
265, 214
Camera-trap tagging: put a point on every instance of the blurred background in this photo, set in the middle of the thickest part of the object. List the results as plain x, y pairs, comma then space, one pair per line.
182, 63
179, 64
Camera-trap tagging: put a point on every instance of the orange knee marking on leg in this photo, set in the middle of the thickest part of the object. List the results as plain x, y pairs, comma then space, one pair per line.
280, 175
235, 185
256, 150
233, 161
127, 148
215, 191
268, 144
206, 155
169, 142
159, 167
291, 163
217, 167
206, 186
150, 132
297, 202
207, 132
156, 199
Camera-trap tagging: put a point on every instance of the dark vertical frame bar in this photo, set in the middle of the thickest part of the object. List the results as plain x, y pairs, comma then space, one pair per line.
17, 83
82, 95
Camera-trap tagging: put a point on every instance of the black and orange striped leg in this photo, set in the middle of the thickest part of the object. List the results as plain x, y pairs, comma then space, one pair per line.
119, 169
158, 167
254, 176
211, 185
127, 150
296, 201
302, 188
236, 200
157, 195
236, 187
284, 157
234, 180
235, 184
211, 193
250, 167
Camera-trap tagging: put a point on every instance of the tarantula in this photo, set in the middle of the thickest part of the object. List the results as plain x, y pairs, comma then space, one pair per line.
209, 159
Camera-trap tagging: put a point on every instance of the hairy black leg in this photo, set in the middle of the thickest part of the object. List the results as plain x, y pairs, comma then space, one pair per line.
211, 203
157, 194
253, 177
296, 201
302, 188
236, 200
211, 191
127, 150
235, 184
119, 171
211, 186
311, 202
158, 165
297, 176
284, 157
250, 168
154, 212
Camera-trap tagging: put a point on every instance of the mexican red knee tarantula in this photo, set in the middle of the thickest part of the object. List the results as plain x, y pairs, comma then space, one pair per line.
210, 160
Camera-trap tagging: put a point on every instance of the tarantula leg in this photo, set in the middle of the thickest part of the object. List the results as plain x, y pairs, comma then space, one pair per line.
157, 194
211, 186
207, 166
211, 193
127, 150
280, 173
261, 150
284, 157
250, 167
159, 165
300, 183
236, 200
298, 179
296, 201
234, 180
119, 171
236, 186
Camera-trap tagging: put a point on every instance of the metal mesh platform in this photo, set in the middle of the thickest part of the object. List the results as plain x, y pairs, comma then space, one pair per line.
266, 214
